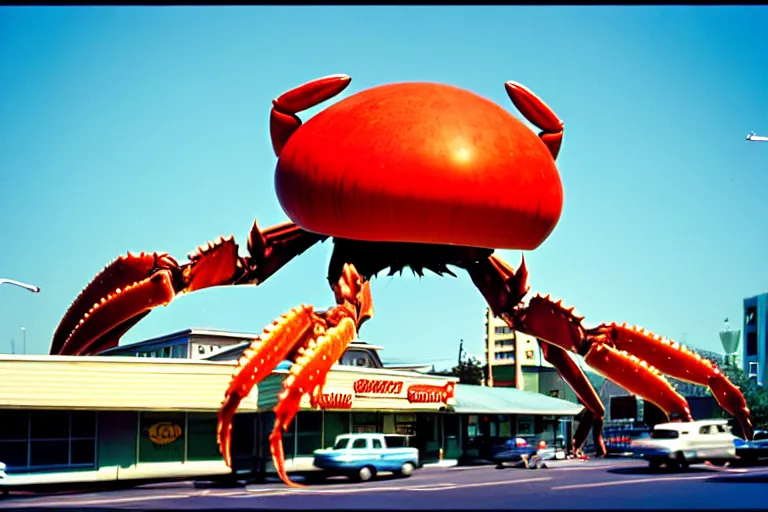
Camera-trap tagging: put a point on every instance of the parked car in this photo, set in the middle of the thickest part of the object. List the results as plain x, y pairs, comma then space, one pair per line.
362, 456
517, 449
619, 441
679, 444
3, 475
755, 450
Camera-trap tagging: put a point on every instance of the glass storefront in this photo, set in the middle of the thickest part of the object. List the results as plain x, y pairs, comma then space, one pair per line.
40, 440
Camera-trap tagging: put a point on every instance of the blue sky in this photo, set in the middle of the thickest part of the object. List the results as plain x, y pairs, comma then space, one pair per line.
132, 128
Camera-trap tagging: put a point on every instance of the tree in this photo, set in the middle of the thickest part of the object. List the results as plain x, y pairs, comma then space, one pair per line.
469, 371
756, 396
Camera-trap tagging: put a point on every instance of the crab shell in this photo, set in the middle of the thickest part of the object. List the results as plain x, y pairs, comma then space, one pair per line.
424, 163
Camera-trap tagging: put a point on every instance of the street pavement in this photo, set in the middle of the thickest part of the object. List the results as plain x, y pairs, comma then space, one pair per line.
573, 485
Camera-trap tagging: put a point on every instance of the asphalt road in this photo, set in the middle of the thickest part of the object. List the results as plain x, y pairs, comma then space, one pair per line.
592, 485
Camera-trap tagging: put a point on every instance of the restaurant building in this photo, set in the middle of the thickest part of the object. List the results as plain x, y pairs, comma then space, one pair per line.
107, 418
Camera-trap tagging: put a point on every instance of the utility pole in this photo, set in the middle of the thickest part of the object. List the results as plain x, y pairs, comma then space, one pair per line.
13, 346
461, 350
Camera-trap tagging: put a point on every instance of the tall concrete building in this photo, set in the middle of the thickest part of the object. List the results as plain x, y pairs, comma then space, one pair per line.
756, 337
514, 360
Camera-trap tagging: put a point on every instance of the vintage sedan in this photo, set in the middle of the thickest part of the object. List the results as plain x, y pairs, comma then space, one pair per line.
362, 456
678, 444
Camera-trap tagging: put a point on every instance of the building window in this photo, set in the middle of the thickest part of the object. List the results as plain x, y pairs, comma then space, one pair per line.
166, 352
752, 369
336, 424
179, 352
751, 347
750, 316
161, 437
309, 432
47, 439
503, 329
202, 437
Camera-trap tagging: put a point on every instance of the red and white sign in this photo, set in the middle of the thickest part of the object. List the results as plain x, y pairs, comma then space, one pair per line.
335, 399
430, 394
377, 387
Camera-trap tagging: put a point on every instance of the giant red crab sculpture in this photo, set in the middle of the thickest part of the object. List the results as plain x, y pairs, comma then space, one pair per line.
415, 175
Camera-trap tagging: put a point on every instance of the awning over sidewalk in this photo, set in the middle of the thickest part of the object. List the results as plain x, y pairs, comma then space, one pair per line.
485, 400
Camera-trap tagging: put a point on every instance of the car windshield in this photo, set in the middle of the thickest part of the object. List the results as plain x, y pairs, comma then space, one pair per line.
341, 443
665, 434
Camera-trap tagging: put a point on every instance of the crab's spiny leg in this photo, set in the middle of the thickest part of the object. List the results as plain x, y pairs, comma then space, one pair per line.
309, 372
279, 339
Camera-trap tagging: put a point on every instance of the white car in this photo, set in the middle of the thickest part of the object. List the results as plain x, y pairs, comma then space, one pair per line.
679, 444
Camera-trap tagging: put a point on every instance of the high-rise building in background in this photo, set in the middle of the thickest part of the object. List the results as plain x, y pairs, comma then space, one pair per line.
756, 337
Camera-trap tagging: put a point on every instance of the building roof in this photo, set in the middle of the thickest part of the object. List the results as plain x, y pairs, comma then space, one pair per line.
487, 400
194, 331
233, 352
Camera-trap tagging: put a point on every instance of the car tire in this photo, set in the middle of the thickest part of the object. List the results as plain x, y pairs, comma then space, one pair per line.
654, 464
406, 470
682, 462
365, 473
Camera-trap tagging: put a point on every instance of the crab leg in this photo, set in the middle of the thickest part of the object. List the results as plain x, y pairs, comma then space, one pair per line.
676, 361
317, 339
307, 376
131, 286
577, 380
503, 289
283, 336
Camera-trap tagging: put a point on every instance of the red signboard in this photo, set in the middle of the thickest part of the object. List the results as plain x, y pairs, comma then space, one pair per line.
378, 387
335, 401
429, 394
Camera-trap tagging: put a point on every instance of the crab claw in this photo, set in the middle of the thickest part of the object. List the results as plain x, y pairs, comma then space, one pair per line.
130, 287
117, 298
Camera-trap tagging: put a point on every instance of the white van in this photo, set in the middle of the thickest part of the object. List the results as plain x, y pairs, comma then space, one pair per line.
679, 444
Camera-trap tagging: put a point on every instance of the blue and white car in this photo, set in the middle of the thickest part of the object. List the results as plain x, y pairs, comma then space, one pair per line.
362, 456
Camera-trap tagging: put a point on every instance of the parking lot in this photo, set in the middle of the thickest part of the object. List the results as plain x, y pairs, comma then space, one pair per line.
599, 484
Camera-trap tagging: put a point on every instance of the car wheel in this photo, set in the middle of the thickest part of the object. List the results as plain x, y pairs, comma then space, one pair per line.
365, 473
407, 470
682, 462
654, 464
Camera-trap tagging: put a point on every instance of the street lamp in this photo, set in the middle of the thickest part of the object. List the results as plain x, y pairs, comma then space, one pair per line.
756, 138
32, 288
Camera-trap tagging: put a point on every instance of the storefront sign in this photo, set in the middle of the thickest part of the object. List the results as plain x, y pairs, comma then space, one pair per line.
335, 400
429, 394
378, 387
164, 432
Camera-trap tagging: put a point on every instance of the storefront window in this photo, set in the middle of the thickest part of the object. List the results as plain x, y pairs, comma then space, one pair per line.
405, 424
364, 422
505, 426
161, 437
309, 432
336, 424
202, 437
244, 434
36, 439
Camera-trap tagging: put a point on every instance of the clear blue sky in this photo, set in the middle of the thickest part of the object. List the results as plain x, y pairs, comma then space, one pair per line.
147, 129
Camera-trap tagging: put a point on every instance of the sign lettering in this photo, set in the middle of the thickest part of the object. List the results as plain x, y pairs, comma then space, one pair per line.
335, 401
378, 387
429, 394
164, 432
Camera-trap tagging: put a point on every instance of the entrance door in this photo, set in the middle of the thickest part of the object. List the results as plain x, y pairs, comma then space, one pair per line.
426, 439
